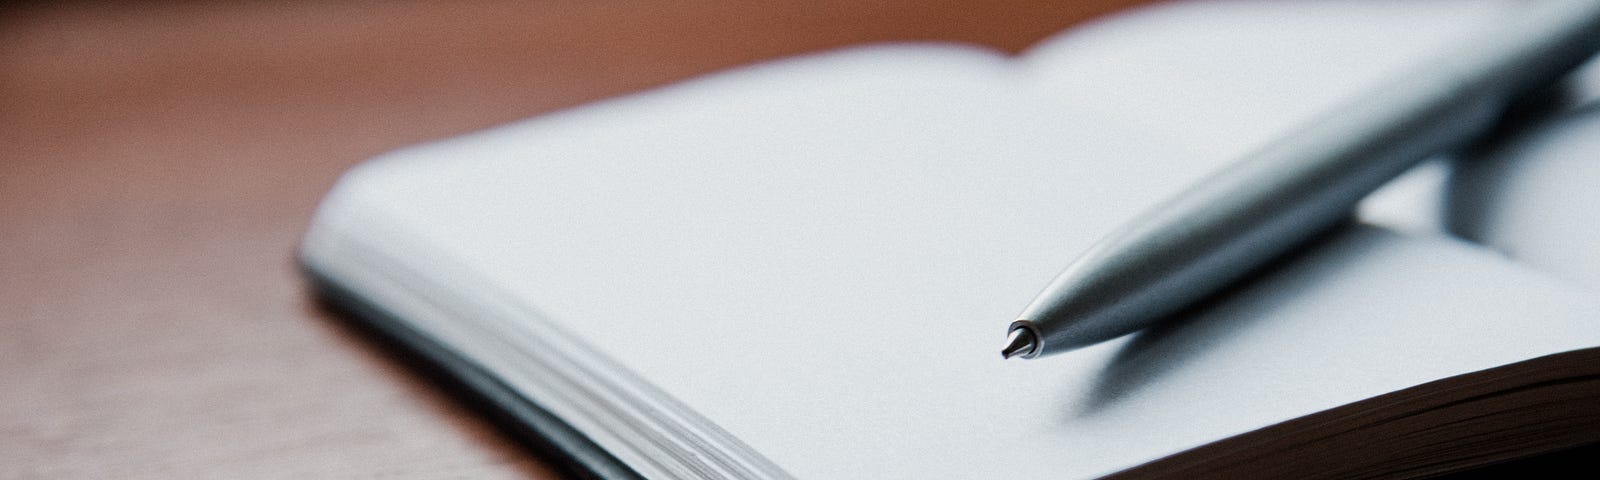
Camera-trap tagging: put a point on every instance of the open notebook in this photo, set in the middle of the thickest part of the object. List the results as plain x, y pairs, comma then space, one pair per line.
805, 268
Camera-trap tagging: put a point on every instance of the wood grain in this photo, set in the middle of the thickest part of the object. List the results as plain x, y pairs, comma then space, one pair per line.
158, 163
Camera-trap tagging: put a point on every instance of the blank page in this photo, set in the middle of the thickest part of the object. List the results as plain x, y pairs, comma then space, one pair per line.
820, 255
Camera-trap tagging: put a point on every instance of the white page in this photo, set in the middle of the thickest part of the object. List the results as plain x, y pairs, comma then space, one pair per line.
1226, 76
821, 255
841, 343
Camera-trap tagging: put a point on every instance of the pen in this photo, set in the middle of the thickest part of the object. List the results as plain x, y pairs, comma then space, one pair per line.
1265, 204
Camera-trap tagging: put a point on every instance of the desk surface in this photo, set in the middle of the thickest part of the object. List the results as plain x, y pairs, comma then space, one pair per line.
158, 163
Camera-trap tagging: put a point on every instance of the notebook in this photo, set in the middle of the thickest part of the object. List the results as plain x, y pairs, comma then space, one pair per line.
804, 268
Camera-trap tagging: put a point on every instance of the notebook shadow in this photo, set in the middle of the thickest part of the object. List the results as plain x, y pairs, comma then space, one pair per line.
1163, 351
510, 417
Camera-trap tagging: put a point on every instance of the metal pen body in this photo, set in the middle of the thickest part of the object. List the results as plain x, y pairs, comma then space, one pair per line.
1259, 208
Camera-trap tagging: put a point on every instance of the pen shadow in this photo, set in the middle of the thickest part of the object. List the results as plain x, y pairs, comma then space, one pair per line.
1483, 178
1163, 350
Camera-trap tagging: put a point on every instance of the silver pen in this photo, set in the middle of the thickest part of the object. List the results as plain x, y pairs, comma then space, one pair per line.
1259, 208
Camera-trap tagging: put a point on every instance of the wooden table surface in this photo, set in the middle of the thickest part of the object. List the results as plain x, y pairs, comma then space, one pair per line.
158, 163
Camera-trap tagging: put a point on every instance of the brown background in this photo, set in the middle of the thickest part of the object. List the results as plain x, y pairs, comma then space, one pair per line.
158, 163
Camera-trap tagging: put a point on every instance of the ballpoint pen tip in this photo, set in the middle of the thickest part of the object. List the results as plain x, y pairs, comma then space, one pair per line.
1021, 344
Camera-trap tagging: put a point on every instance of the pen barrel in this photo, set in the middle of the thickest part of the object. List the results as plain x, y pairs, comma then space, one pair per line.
1263, 206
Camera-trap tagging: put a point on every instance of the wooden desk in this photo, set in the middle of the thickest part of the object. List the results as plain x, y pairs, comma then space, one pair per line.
158, 163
